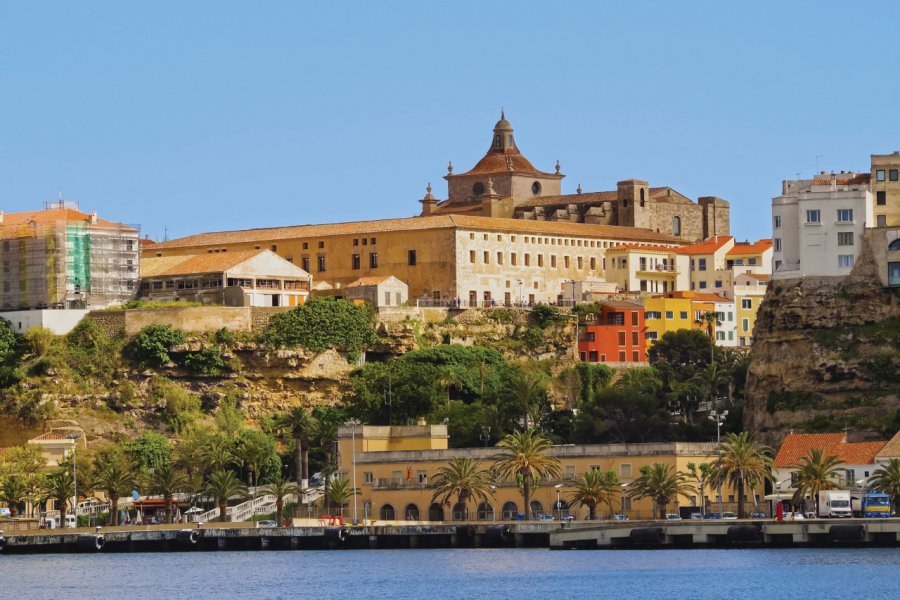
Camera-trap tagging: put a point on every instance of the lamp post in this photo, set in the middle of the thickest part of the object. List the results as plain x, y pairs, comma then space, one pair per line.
74, 437
485, 436
521, 301
353, 423
700, 494
719, 418
558, 487
624, 487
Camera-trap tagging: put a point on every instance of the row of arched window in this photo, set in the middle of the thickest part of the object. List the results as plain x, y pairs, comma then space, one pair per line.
483, 512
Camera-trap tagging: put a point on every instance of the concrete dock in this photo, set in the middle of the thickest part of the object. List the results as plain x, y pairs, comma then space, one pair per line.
553, 535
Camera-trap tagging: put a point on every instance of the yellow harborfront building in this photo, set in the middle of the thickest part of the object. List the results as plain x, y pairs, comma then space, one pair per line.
395, 466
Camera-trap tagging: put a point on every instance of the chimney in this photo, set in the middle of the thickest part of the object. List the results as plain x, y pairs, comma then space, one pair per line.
94, 217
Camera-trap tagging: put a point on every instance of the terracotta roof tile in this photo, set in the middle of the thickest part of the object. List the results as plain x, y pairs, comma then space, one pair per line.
55, 215
364, 281
842, 178
668, 195
224, 238
742, 249
860, 453
196, 264
50, 435
798, 445
696, 296
707, 247
503, 162
759, 276
891, 448
648, 248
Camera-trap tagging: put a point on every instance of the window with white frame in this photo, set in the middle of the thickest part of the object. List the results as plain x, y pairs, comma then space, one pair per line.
845, 215
845, 261
814, 216
776, 244
845, 238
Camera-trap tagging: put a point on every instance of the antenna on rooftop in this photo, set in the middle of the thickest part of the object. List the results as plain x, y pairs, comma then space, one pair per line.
165, 233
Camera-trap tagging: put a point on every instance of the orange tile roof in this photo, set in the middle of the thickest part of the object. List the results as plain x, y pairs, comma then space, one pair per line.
50, 435
364, 281
192, 264
223, 238
500, 161
55, 215
760, 276
842, 178
891, 448
798, 445
707, 247
860, 453
741, 249
648, 248
697, 296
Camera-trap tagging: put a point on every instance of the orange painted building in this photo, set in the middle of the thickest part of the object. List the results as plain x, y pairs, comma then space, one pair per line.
616, 335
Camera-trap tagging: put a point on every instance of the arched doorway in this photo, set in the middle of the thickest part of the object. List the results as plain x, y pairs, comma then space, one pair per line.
560, 509
536, 508
412, 512
435, 512
387, 513
460, 512
485, 512
510, 511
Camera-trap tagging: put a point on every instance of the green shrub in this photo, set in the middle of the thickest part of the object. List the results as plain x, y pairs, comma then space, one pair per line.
225, 337
544, 314
90, 351
208, 361
501, 315
533, 337
152, 344
180, 407
323, 323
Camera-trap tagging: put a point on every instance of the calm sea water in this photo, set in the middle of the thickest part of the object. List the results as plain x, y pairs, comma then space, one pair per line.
448, 574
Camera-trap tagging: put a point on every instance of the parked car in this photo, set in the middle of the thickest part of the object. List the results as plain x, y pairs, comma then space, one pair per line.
729, 516
759, 515
793, 516
619, 517
712, 516
267, 523
673, 517
544, 517
697, 516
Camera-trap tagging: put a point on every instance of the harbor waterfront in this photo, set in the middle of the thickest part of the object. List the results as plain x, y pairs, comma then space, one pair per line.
448, 574
720, 534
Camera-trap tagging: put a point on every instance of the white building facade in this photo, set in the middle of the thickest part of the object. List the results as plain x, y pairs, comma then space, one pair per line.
817, 226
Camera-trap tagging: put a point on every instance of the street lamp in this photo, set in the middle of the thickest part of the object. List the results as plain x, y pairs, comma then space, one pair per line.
521, 301
485, 436
558, 487
74, 437
353, 423
700, 493
719, 418
624, 487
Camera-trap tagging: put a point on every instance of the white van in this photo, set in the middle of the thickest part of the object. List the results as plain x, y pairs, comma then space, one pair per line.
53, 522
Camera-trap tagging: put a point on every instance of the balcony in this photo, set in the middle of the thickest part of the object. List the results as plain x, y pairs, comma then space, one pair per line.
398, 483
666, 269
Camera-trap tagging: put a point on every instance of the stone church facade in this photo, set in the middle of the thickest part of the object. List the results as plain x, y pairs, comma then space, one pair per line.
505, 184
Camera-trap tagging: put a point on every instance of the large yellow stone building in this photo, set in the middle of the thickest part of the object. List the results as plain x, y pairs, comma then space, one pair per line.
395, 466
885, 184
484, 245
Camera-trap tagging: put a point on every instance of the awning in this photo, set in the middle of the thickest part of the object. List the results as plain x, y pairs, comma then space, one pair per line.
779, 496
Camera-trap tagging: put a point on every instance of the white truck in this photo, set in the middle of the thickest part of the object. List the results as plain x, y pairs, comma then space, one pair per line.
834, 504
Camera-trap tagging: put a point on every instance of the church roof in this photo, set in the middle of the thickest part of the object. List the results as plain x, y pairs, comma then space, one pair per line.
663, 194
504, 156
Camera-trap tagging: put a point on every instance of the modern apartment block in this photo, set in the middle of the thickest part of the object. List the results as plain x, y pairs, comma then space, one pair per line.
818, 225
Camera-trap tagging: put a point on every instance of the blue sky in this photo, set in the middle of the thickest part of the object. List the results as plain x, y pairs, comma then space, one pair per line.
198, 116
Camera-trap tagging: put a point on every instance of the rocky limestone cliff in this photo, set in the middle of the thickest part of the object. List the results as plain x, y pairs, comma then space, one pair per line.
826, 354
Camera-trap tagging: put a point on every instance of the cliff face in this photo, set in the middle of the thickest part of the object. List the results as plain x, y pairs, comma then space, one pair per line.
826, 353
266, 381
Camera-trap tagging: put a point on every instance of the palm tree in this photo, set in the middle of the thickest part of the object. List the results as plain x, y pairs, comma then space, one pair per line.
741, 461
217, 453
114, 479
887, 480
526, 390
701, 474
60, 487
816, 472
339, 491
463, 478
299, 424
593, 488
661, 483
712, 377
12, 492
710, 320
280, 487
524, 457
166, 480
223, 485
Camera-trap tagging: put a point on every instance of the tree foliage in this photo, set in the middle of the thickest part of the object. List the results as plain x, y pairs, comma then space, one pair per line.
323, 323
152, 344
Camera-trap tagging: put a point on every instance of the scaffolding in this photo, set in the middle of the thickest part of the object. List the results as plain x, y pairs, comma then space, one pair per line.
62, 258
